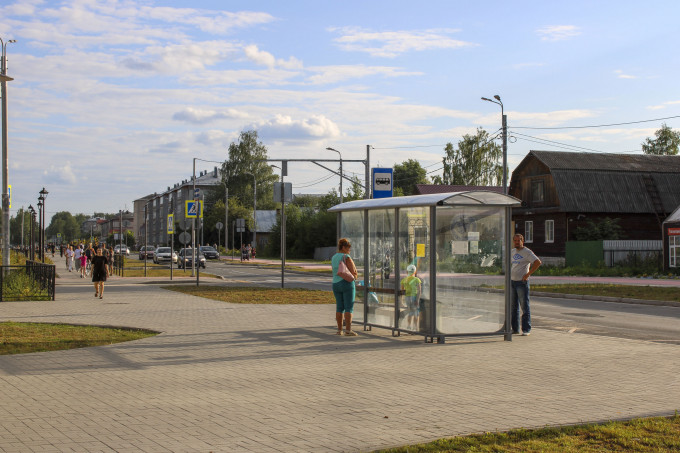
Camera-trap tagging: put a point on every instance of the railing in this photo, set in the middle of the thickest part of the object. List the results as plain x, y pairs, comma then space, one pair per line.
34, 281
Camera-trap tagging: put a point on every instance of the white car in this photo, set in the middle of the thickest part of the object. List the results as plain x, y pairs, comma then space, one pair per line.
164, 254
125, 249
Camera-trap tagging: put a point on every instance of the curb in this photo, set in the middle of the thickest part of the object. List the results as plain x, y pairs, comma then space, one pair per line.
622, 300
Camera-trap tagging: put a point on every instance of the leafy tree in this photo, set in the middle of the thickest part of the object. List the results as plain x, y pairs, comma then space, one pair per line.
407, 175
605, 230
65, 223
666, 143
15, 227
474, 162
248, 158
216, 214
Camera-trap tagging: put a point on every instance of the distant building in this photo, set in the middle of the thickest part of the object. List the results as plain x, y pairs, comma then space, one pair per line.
671, 241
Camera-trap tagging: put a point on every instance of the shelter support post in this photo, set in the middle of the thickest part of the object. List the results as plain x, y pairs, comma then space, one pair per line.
508, 284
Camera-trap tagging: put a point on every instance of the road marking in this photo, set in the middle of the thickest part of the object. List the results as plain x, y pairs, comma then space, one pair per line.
474, 317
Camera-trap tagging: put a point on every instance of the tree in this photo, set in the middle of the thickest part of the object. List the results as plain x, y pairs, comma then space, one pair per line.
474, 162
666, 143
407, 175
248, 158
606, 230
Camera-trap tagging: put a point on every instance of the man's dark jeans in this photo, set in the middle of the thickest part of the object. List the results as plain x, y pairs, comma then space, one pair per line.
520, 295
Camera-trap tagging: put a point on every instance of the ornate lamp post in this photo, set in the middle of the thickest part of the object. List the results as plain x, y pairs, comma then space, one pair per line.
43, 196
32, 244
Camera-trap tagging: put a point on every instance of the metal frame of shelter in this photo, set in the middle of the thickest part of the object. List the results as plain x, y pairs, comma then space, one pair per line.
460, 244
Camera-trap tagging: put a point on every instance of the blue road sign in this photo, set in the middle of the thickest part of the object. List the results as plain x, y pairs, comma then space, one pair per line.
382, 182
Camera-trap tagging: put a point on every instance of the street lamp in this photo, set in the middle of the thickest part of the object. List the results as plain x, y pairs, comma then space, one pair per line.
43, 196
32, 245
40, 215
331, 149
505, 140
254, 208
5, 159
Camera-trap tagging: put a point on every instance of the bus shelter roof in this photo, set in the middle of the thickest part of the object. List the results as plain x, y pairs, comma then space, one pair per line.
468, 198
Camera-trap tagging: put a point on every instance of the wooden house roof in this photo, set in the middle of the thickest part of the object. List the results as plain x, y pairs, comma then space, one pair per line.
611, 183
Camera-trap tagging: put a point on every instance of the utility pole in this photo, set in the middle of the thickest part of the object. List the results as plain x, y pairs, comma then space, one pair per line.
5, 156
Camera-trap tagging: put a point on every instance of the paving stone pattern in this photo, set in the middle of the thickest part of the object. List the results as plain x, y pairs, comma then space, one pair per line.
255, 378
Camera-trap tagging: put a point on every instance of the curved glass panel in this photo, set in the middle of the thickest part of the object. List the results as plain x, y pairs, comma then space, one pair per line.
352, 228
414, 249
381, 280
470, 282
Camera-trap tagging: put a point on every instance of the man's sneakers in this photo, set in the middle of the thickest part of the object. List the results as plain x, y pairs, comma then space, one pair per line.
526, 334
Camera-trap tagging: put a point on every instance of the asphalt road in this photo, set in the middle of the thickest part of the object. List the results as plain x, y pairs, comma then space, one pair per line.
641, 322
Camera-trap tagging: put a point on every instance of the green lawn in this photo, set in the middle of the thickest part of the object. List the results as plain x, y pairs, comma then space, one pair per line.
257, 295
22, 337
659, 434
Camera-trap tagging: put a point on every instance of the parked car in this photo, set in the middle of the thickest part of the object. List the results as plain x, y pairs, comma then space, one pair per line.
125, 250
163, 255
146, 252
184, 259
209, 252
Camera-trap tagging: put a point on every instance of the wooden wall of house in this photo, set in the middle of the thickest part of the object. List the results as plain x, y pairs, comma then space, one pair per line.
521, 185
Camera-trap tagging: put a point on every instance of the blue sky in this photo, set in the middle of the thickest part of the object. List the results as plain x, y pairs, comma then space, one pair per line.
113, 99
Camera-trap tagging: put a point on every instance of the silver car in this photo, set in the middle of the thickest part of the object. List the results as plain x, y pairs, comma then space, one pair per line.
164, 255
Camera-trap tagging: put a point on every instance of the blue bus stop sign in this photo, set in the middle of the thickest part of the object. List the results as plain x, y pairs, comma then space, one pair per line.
382, 182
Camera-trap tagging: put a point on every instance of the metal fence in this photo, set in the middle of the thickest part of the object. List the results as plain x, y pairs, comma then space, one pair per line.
34, 281
632, 253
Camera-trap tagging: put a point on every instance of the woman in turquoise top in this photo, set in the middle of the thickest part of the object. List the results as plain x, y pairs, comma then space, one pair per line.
343, 290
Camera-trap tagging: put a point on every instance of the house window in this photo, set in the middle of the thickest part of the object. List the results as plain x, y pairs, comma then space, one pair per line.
674, 251
537, 195
549, 231
528, 231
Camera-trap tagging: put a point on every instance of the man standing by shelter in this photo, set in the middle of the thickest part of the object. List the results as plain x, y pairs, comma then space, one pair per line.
524, 263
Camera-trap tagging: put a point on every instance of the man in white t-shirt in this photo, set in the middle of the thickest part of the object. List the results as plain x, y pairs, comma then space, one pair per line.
76, 256
524, 263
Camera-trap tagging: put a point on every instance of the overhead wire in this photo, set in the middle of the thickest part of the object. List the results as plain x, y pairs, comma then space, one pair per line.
599, 125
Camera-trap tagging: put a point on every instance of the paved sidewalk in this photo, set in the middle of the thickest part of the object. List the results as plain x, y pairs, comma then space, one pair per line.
257, 378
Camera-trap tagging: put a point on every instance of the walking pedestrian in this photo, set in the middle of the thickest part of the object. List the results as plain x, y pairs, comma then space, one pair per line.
100, 271
69, 258
524, 263
344, 291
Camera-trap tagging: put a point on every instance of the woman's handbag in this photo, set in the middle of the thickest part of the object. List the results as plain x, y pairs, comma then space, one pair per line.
344, 272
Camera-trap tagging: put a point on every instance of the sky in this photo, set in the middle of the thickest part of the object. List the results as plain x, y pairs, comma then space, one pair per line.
113, 100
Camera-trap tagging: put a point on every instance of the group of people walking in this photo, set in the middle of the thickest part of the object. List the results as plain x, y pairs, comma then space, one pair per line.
97, 256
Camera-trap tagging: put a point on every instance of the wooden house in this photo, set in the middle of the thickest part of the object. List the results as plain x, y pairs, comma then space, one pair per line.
562, 191
671, 241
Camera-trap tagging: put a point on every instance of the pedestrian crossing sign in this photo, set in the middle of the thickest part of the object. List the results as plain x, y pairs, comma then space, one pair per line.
171, 224
193, 209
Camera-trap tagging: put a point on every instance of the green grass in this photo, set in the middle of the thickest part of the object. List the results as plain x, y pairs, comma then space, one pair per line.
257, 295
659, 434
627, 291
21, 338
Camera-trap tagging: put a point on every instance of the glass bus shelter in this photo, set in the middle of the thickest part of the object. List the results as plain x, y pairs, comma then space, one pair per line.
459, 244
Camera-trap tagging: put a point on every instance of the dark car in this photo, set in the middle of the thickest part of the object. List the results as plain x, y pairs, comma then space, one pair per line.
184, 259
146, 252
209, 252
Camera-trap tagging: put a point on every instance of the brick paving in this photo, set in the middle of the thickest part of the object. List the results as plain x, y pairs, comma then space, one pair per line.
259, 378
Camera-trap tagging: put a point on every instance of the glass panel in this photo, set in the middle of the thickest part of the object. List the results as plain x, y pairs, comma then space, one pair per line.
414, 249
352, 228
381, 279
470, 282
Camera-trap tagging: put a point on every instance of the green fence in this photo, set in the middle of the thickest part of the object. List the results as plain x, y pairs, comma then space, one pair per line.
584, 252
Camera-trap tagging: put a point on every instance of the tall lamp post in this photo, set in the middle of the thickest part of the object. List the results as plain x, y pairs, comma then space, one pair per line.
43, 196
254, 208
504, 118
31, 247
226, 216
40, 215
331, 149
5, 158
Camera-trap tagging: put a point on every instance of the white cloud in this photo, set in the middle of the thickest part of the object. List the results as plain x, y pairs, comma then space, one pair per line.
60, 175
547, 119
265, 58
285, 127
620, 74
202, 116
662, 106
333, 74
558, 32
392, 43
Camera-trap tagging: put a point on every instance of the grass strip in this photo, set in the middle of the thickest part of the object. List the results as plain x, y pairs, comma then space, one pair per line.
257, 294
21, 338
626, 291
658, 434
